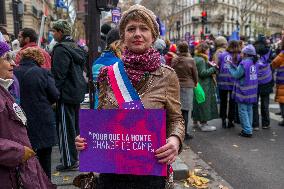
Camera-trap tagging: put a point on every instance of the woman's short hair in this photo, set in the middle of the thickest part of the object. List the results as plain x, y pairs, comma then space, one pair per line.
201, 48
116, 47
139, 13
182, 47
34, 54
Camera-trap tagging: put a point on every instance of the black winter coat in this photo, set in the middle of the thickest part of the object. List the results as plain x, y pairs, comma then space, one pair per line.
67, 67
38, 93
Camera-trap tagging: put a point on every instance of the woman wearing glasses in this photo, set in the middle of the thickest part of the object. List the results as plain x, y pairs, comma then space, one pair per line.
19, 168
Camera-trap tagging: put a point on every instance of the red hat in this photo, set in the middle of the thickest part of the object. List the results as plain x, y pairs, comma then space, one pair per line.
173, 48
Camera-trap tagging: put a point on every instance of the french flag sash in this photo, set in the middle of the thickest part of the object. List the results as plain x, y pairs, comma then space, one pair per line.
124, 92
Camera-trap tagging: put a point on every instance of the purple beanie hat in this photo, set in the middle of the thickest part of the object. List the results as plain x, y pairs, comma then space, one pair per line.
249, 49
4, 47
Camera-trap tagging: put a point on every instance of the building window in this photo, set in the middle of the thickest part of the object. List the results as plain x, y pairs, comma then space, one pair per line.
228, 29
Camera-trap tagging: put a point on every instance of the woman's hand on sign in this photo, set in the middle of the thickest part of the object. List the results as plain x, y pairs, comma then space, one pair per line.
80, 143
168, 152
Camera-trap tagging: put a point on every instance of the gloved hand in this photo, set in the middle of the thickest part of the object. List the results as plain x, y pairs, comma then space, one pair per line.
28, 154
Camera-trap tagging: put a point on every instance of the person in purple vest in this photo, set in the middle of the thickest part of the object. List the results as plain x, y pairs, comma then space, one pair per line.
265, 84
226, 82
245, 88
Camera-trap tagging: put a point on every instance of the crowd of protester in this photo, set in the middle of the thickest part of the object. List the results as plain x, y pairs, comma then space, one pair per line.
49, 85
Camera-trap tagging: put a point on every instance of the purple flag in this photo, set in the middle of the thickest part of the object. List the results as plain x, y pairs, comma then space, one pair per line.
123, 141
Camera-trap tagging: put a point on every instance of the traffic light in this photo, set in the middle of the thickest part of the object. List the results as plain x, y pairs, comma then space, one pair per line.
178, 25
203, 17
202, 36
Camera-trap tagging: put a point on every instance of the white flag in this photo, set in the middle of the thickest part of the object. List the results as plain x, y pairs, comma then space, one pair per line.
2, 37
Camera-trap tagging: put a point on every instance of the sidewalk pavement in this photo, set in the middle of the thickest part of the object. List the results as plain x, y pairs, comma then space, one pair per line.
187, 161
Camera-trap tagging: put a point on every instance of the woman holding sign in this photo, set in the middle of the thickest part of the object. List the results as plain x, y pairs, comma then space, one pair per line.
155, 86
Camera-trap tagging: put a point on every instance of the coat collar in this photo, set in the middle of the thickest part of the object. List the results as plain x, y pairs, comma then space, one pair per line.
32, 44
156, 72
28, 62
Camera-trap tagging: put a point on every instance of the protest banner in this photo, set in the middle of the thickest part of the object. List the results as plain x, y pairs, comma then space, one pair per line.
122, 141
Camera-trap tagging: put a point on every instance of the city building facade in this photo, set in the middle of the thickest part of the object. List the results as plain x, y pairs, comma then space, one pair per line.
80, 24
225, 16
28, 13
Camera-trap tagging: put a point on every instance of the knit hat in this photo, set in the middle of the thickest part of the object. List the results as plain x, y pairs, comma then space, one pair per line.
159, 44
112, 36
173, 48
221, 41
139, 12
63, 26
249, 50
4, 47
105, 28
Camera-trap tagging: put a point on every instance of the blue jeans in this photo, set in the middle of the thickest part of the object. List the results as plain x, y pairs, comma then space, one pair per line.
245, 114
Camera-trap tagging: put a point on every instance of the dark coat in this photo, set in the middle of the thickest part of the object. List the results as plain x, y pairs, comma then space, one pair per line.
38, 93
261, 49
68, 61
13, 138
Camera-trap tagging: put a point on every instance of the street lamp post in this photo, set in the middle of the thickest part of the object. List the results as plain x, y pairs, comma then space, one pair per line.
249, 28
93, 20
178, 29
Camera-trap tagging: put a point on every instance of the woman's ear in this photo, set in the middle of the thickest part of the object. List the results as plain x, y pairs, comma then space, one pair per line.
153, 40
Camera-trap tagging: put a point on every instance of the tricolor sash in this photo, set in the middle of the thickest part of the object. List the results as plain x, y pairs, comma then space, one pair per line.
124, 92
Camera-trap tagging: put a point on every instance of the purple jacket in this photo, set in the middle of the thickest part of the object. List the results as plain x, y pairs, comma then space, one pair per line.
13, 138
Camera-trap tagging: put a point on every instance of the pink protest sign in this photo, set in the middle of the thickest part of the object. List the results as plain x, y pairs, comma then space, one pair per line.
122, 141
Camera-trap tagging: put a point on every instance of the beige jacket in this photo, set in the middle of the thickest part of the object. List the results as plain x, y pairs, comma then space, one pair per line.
160, 90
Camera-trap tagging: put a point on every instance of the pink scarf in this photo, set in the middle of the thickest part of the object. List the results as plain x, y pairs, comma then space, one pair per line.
136, 65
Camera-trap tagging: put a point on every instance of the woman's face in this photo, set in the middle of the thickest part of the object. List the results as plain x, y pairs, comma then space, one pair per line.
138, 37
6, 66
